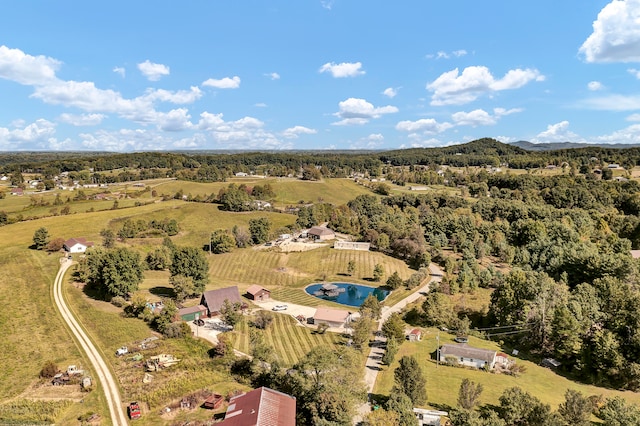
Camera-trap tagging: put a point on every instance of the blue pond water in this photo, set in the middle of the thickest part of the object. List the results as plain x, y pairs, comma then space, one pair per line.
353, 295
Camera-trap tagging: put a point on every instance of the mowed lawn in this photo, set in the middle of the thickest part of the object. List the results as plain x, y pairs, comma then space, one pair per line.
288, 191
443, 382
286, 274
289, 340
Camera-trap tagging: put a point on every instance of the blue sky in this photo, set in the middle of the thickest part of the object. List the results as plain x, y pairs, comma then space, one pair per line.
316, 74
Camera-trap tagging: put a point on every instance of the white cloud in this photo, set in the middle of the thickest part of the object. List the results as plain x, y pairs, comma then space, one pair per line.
633, 117
628, 135
260, 105
294, 132
616, 34
594, 86
82, 119
345, 69
453, 88
152, 71
424, 125
120, 70
447, 55
174, 121
224, 83
634, 72
25, 69
354, 111
178, 97
506, 139
39, 131
390, 92
478, 117
273, 76
327, 4
557, 133
612, 103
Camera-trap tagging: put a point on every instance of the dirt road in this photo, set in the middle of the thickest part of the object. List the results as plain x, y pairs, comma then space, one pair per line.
106, 379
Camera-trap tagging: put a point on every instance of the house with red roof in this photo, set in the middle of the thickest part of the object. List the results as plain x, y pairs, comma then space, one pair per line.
261, 407
77, 245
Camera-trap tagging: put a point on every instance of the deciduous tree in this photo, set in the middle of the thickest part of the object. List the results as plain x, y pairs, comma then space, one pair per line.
410, 380
40, 238
191, 262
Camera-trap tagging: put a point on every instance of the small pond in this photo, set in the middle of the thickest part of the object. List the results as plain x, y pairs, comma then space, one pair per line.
345, 293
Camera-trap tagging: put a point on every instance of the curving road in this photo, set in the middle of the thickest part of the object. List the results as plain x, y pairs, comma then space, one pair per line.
105, 377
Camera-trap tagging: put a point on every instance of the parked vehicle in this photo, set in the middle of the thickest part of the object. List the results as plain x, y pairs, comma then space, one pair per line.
198, 322
461, 339
134, 411
280, 308
122, 351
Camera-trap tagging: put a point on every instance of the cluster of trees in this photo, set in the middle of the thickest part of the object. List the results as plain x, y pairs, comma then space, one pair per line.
241, 198
153, 228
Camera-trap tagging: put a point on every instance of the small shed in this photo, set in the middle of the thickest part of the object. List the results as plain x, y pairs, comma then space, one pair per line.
190, 313
258, 293
415, 335
213, 402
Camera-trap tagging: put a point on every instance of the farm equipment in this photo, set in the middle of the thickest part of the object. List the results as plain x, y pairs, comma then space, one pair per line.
134, 411
158, 362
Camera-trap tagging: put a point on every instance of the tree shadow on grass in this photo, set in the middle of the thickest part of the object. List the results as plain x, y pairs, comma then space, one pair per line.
162, 291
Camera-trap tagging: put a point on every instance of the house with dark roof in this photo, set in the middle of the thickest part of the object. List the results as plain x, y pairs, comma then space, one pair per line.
258, 293
321, 233
261, 407
213, 300
468, 356
77, 245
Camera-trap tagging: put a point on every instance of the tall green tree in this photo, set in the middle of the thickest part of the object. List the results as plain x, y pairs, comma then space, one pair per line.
115, 272
469, 394
520, 408
378, 272
393, 327
371, 307
191, 262
410, 380
260, 229
222, 241
40, 238
390, 352
108, 238
576, 409
394, 281
402, 405
362, 331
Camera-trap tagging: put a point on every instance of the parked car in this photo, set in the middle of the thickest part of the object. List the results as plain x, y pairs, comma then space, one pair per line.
198, 322
280, 308
461, 339
122, 351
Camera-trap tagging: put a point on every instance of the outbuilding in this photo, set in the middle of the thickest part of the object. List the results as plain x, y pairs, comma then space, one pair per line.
193, 312
321, 233
258, 293
415, 335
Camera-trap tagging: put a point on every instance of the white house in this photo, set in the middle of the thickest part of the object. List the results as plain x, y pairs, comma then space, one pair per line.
429, 417
77, 245
467, 355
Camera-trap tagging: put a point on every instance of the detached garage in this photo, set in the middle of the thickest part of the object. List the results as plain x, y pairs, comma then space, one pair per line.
258, 293
189, 314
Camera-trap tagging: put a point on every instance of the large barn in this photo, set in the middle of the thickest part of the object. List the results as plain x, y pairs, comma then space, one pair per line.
213, 300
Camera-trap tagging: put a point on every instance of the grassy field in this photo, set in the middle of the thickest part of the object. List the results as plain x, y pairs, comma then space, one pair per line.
443, 381
289, 340
286, 274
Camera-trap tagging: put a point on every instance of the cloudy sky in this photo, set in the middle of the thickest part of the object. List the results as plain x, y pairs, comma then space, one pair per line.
316, 74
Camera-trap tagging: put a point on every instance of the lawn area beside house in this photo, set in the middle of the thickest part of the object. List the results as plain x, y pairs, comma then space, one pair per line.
289, 340
443, 382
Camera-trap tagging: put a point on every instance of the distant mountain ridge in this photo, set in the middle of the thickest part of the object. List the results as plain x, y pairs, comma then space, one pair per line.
554, 146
